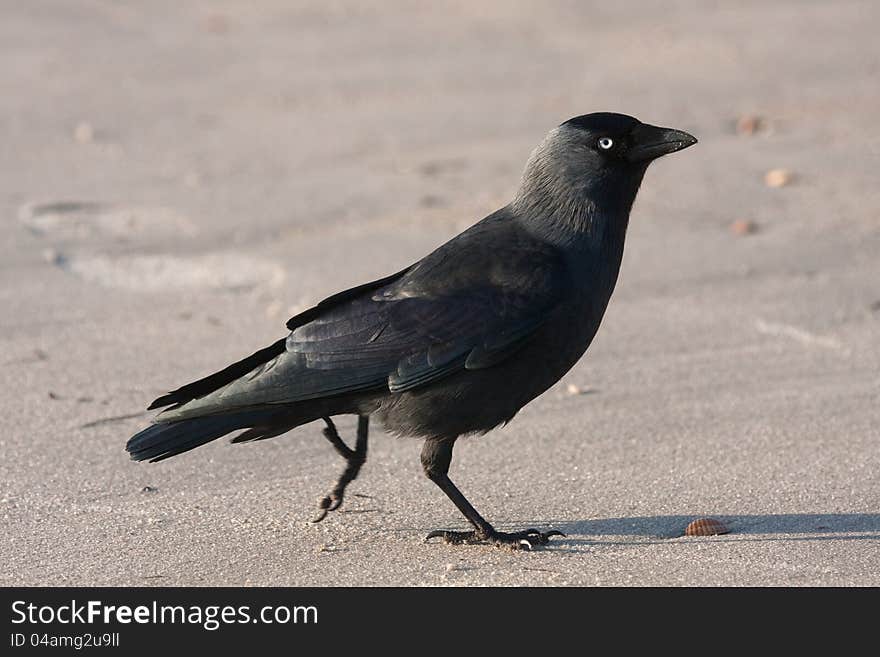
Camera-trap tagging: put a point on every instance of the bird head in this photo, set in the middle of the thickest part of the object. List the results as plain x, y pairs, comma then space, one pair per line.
609, 141
595, 162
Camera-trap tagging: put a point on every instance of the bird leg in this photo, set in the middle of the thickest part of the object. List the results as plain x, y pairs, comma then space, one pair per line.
354, 458
436, 458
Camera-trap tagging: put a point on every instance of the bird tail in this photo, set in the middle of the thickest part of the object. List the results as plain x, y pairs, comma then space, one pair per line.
166, 439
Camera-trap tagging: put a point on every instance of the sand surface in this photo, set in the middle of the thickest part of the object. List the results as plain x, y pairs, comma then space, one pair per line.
179, 178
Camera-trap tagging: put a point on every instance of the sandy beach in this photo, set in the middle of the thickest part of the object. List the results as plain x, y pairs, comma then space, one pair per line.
178, 179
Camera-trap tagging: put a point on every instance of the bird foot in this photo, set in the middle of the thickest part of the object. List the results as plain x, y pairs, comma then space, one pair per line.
328, 503
354, 459
524, 540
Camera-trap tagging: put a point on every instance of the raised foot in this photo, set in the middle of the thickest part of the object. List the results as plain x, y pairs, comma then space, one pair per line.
354, 459
524, 540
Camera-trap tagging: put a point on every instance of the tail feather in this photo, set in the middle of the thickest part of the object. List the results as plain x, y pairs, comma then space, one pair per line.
219, 379
166, 439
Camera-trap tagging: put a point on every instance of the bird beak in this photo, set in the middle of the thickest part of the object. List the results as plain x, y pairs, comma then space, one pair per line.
648, 142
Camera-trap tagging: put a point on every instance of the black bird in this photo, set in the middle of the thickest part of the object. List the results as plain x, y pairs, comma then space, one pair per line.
458, 342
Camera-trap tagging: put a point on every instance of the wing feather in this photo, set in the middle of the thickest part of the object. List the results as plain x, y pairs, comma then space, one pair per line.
471, 304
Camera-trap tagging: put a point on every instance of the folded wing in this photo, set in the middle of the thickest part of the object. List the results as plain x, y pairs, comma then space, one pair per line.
470, 304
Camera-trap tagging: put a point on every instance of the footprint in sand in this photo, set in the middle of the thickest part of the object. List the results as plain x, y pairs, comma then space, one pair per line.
83, 220
161, 272
69, 222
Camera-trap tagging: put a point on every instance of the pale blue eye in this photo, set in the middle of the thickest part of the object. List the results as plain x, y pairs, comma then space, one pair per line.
606, 143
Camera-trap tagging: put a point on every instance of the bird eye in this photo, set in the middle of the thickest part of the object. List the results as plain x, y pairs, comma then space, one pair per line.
605, 143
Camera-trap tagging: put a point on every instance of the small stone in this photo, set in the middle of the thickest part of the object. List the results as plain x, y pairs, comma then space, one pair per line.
749, 124
450, 567
778, 178
53, 256
149, 489
84, 133
54, 395
742, 227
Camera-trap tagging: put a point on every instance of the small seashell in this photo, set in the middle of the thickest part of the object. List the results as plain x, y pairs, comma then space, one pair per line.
778, 177
706, 527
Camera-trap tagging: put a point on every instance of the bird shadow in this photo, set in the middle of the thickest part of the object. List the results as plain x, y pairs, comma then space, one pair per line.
759, 527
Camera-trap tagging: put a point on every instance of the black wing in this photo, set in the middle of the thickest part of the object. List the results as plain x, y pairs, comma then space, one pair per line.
241, 368
409, 342
470, 304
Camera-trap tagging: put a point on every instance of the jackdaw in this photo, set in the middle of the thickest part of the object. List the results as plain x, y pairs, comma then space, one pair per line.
454, 344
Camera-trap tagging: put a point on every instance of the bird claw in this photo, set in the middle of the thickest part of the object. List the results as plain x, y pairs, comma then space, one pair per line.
523, 540
453, 538
326, 504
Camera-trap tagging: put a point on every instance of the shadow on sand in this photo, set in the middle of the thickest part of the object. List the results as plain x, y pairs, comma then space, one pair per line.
785, 526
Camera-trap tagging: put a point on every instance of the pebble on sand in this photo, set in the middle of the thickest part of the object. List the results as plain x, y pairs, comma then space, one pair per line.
53, 256
749, 124
84, 133
742, 227
778, 178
